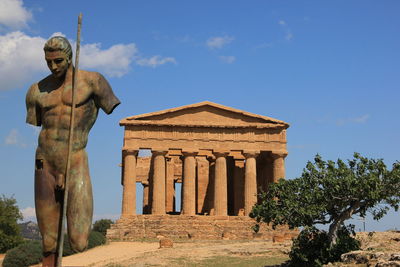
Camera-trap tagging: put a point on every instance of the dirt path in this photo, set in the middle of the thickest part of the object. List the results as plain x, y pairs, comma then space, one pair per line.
113, 252
148, 253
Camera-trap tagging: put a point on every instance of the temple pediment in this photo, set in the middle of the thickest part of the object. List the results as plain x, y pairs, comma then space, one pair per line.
204, 114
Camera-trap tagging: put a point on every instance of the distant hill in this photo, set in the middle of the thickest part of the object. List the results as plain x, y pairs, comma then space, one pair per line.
30, 230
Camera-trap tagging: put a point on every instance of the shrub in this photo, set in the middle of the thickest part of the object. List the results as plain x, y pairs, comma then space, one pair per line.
102, 226
26, 254
96, 239
30, 252
311, 248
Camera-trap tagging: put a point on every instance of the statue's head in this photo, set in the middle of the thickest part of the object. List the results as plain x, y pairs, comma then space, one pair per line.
58, 54
59, 43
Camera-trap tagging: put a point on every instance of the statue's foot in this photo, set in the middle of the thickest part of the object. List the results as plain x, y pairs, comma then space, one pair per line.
49, 260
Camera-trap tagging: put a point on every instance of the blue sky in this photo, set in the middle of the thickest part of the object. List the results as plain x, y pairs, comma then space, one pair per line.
329, 68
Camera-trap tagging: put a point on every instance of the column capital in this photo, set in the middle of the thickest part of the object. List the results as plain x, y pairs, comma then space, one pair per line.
210, 158
131, 151
278, 154
156, 152
239, 163
189, 153
250, 153
220, 153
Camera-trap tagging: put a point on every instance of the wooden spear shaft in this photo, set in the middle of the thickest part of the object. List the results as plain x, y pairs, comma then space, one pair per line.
70, 143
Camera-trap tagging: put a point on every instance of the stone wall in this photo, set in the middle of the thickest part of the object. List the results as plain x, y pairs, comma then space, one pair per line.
194, 227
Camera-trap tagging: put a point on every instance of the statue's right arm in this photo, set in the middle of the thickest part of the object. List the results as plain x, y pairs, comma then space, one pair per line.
33, 112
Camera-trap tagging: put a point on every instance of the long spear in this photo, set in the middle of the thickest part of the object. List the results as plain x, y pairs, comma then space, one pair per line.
70, 139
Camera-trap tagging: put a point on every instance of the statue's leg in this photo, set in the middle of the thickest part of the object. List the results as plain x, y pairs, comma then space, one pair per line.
48, 206
80, 203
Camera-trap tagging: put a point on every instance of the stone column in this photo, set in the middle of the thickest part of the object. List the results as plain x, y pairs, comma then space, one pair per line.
146, 200
158, 199
202, 184
209, 205
250, 181
220, 185
239, 187
129, 183
169, 186
279, 165
189, 184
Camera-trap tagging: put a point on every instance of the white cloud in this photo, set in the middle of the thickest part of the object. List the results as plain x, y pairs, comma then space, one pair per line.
29, 214
21, 59
219, 41
114, 61
14, 139
227, 59
22, 56
13, 14
155, 61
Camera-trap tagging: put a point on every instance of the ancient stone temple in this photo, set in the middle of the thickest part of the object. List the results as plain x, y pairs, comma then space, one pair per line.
222, 156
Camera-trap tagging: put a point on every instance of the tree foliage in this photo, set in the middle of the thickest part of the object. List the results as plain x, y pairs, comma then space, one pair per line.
330, 193
102, 226
9, 230
26, 254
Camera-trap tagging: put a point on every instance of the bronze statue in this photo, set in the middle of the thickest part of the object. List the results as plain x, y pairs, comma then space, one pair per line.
48, 104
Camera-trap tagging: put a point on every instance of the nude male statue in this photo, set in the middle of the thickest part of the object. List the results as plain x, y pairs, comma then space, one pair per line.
48, 104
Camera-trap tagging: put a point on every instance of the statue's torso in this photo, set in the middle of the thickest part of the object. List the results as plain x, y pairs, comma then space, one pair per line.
55, 104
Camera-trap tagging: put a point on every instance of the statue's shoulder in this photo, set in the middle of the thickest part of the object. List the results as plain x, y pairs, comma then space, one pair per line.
90, 75
33, 90
95, 79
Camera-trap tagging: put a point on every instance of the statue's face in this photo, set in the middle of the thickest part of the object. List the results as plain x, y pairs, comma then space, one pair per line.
57, 62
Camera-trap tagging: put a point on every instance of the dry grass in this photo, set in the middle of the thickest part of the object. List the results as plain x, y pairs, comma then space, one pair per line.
219, 253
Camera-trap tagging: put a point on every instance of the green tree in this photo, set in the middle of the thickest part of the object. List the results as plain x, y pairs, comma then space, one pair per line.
330, 193
102, 225
9, 231
25, 254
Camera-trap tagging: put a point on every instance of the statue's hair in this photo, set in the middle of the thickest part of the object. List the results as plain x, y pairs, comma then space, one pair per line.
59, 43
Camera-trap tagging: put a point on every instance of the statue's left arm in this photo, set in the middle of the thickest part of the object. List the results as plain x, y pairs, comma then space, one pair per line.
103, 94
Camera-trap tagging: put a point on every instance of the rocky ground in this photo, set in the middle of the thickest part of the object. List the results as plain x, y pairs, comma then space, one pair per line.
379, 249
